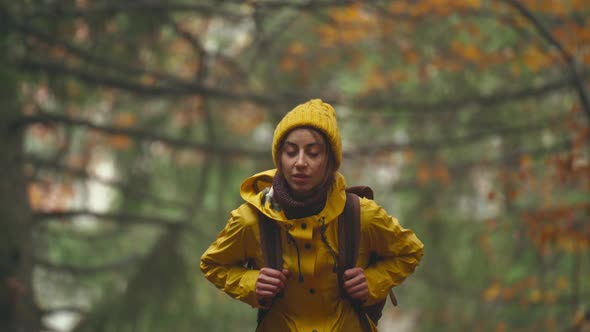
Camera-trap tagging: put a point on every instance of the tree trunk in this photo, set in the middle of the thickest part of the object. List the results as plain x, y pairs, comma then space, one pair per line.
18, 312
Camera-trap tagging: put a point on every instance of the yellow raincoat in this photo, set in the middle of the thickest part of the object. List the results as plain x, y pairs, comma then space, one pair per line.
314, 304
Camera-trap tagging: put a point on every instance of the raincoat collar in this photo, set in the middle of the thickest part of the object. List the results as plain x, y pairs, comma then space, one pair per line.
257, 190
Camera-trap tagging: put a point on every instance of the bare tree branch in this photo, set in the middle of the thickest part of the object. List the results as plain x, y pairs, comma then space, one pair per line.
495, 98
134, 6
577, 78
461, 168
123, 219
124, 263
454, 142
83, 174
146, 135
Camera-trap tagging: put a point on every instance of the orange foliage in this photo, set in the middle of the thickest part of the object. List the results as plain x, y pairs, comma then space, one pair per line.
423, 174
297, 48
469, 52
409, 155
243, 118
441, 173
547, 6
561, 227
524, 291
535, 59
47, 196
190, 113
288, 64
376, 81
501, 327
349, 25
411, 57
148, 80
125, 119
294, 57
492, 292
119, 142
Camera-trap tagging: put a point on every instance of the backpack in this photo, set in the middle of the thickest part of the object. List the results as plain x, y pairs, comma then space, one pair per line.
348, 247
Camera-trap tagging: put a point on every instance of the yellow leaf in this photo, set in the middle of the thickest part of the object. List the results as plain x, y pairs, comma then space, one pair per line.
471, 52
328, 35
297, 48
125, 119
472, 3
492, 292
535, 59
536, 295
36, 195
525, 161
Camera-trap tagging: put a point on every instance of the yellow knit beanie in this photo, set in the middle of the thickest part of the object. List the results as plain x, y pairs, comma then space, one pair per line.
314, 113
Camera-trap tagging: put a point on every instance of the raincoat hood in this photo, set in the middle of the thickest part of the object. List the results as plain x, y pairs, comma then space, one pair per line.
257, 191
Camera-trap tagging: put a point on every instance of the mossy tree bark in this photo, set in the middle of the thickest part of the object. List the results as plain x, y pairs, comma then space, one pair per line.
18, 312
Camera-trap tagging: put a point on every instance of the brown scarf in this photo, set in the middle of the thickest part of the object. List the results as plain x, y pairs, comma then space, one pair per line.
296, 208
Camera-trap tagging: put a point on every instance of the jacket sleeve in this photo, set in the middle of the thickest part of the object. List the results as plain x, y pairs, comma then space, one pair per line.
398, 250
224, 262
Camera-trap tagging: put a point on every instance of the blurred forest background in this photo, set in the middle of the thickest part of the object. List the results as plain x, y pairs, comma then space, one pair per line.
126, 128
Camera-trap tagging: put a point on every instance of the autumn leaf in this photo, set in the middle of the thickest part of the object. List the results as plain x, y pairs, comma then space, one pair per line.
525, 161
125, 119
535, 59
297, 48
501, 327
492, 292
422, 174
119, 142
441, 173
36, 195
148, 80
288, 64
409, 155
535, 295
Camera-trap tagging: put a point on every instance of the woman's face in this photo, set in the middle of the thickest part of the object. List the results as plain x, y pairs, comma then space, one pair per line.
303, 160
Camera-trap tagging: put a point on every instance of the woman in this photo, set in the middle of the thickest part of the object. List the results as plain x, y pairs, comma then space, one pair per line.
305, 194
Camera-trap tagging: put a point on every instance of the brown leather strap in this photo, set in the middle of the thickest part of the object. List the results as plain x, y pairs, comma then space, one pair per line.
349, 229
270, 242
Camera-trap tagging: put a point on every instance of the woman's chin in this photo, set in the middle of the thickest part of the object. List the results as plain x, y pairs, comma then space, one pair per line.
302, 192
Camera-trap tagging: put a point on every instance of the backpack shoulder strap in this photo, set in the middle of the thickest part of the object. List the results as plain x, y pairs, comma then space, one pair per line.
349, 229
272, 254
270, 242
349, 233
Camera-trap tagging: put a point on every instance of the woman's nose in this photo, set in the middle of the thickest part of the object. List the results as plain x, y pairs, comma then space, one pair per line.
301, 160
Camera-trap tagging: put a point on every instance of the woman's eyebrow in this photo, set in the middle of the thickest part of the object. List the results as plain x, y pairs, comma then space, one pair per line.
307, 145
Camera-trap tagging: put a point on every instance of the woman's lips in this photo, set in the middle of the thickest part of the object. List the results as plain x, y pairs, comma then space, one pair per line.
300, 178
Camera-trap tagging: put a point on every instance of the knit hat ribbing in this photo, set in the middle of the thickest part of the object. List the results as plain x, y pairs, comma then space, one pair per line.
314, 113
